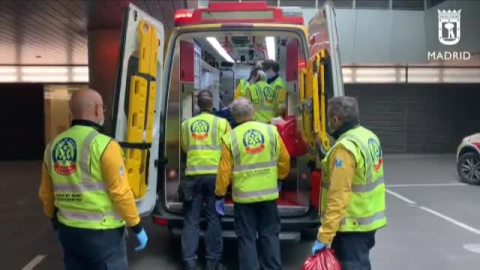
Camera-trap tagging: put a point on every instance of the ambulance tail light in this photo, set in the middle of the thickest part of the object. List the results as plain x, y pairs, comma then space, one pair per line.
160, 221
316, 190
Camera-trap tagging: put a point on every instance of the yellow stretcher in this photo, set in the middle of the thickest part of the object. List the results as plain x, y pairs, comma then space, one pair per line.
312, 109
141, 109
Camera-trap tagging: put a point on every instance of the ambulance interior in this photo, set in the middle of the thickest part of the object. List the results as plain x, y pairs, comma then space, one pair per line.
217, 61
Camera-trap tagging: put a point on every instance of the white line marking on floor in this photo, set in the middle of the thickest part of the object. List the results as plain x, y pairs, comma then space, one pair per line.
34, 262
433, 212
472, 247
429, 185
449, 219
400, 197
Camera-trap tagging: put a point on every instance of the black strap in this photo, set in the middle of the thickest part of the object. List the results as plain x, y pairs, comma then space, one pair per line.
142, 145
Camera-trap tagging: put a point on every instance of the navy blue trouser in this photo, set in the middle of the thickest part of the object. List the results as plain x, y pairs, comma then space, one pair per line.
93, 249
353, 249
204, 192
258, 219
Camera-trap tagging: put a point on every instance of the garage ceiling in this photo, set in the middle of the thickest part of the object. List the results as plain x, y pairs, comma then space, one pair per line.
54, 32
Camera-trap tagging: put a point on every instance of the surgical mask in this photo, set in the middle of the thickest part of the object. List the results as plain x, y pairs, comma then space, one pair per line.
270, 74
329, 124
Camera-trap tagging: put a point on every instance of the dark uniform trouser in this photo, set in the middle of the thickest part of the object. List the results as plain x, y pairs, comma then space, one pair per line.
204, 191
93, 249
353, 249
261, 218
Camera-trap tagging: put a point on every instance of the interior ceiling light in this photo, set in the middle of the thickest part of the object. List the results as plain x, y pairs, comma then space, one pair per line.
214, 42
8, 70
270, 47
38, 78
45, 70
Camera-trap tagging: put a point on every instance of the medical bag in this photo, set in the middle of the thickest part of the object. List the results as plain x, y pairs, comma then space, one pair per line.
323, 260
291, 137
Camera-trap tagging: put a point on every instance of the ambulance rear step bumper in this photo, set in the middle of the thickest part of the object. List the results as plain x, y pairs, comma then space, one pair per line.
292, 228
290, 237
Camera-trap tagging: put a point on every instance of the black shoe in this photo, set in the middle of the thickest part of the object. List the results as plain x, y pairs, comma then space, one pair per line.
215, 267
189, 267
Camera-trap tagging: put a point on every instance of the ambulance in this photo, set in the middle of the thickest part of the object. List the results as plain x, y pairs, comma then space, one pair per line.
213, 48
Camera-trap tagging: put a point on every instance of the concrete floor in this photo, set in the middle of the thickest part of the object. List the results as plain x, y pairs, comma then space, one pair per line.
432, 219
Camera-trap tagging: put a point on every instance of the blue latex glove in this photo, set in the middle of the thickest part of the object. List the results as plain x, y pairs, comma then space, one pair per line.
317, 247
142, 239
220, 207
279, 185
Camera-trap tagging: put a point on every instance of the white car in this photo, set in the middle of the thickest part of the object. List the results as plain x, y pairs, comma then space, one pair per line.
468, 159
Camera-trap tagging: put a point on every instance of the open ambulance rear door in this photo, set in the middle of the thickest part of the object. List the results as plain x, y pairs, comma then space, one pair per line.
321, 80
137, 103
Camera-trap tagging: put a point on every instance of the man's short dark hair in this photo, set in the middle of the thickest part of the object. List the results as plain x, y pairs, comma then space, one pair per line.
270, 64
345, 108
205, 100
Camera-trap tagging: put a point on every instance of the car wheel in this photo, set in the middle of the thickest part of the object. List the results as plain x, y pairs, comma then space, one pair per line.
468, 168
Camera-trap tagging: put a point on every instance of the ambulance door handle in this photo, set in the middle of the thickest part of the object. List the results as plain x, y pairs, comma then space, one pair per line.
159, 162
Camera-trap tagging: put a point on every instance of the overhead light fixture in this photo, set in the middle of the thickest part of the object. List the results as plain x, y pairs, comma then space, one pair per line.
8, 78
80, 78
8, 70
45, 70
80, 70
40, 78
214, 42
270, 47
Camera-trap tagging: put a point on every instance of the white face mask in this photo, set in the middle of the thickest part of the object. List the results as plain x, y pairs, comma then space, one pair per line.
330, 126
270, 74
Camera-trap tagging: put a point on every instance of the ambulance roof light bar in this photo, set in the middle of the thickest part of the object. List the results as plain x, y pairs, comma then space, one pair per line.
239, 12
183, 13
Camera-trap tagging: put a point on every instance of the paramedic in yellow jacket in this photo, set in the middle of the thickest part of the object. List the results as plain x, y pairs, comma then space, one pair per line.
353, 189
253, 159
201, 140
243, 85
85, 191
262, 96
271, 69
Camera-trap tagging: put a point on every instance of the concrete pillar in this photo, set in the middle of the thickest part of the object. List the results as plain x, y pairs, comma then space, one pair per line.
103, 48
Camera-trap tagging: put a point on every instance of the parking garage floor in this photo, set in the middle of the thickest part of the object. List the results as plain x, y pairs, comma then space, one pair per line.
433, 223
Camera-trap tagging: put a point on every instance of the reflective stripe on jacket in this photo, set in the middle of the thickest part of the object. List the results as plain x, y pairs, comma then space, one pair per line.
202, 139
241, 89
366, 203
264, 100
281, 90
80, 192
255, 153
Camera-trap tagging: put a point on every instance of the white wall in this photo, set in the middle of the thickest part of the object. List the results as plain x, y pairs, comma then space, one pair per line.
379, 36
470, 26
369, 36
